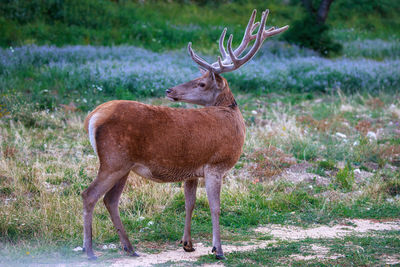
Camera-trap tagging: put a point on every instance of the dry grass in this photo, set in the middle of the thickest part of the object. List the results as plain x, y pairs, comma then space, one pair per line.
45, 167
269, 161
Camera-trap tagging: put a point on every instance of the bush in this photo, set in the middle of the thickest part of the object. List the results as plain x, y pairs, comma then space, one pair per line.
345, 177
308, 33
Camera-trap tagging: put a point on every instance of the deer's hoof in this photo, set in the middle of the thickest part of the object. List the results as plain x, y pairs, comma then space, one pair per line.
188, 246
133, 254
189, 249
92, 257
130, 251
220, 257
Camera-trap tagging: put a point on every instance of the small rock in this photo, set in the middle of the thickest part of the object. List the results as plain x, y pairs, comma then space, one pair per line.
371, 136
341, 135
254, 112
78, 249
110, 246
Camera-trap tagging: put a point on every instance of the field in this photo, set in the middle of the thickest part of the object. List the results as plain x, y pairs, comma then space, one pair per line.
322, 152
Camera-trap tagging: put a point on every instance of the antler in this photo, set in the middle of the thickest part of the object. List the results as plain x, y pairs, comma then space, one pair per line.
231, 61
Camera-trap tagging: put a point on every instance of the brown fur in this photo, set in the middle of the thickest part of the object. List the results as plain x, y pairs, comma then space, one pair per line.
166, 145
174, 143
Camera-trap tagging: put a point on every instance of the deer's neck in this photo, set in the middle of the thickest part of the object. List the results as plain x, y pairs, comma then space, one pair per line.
226, 99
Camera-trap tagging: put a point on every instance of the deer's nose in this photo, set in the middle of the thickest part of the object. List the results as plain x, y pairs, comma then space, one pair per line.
168, 91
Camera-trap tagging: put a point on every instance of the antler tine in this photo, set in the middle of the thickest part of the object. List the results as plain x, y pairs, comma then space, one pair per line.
257, 44
272, 31
221, 44
255, 27
231, 59
199, 60
247, 37
230, 50
262, 34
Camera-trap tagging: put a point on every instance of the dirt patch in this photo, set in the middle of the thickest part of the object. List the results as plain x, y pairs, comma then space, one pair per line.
278, 232
391, 259
350, 227
297, 173
319, 252
179, 255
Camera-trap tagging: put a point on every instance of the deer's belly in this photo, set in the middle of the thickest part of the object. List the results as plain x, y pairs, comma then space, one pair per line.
166, 175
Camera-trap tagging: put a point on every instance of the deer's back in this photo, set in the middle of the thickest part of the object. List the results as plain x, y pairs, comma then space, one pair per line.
170, 142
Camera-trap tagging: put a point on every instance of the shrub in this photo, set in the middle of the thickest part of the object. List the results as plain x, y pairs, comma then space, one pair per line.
345, 177
307, 33
270, 161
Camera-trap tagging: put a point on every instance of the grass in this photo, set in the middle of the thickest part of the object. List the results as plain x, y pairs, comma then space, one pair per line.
47, 160
322, 138
159, 25
45, 166
358, 250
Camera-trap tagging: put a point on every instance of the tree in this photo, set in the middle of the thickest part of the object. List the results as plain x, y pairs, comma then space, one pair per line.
311, 31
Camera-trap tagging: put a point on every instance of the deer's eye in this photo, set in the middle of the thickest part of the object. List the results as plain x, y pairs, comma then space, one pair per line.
202, 84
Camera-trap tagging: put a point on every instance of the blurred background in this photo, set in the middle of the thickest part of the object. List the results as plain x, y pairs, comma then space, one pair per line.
57, 34
162, 25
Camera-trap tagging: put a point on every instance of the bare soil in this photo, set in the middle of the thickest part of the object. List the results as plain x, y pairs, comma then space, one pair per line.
278, 232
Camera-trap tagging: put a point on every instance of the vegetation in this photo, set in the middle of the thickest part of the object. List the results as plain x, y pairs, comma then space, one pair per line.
322, 144
163, 25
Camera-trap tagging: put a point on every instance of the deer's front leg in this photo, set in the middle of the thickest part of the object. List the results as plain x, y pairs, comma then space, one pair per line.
190, 199
213, 180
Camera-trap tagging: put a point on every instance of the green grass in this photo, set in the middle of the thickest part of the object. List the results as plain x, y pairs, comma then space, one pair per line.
352, 250
158, 25
47, 163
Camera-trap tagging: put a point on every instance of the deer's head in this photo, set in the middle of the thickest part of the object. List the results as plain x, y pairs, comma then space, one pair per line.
207, 89
201, 91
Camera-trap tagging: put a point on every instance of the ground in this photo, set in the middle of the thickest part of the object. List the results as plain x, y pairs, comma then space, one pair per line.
279, 233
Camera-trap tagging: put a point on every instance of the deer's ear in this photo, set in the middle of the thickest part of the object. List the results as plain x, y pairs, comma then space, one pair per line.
202, 71
212, 76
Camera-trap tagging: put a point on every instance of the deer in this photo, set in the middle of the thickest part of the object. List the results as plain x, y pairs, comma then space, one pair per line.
166, 144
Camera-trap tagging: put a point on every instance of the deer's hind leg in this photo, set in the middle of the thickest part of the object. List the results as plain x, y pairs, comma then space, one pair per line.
190, 199
111, 201
105, 180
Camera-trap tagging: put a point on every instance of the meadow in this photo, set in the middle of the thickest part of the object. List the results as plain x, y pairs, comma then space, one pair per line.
322, 147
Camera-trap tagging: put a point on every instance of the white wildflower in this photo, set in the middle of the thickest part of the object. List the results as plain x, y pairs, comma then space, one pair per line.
77, 249
371, 136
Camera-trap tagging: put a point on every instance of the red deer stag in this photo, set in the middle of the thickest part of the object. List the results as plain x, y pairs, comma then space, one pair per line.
170, 144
